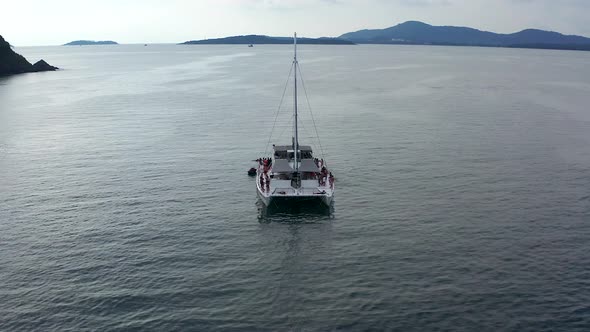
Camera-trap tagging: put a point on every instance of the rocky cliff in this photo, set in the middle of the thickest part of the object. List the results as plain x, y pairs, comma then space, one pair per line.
13, 63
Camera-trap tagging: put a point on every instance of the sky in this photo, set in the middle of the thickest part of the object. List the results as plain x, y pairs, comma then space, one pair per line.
56, 22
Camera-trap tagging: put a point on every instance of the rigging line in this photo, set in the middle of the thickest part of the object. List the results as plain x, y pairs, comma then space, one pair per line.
278, 110
285, 128
304, 129
312, 138
304, 122
310, 112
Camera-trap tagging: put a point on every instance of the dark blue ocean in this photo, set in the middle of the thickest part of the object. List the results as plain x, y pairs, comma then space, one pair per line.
462, 191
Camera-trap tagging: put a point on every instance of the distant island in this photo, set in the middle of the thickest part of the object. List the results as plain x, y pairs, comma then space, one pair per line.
419, 33
12, 63
260, 39
90, 42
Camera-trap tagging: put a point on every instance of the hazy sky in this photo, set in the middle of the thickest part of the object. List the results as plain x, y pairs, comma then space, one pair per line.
51, 22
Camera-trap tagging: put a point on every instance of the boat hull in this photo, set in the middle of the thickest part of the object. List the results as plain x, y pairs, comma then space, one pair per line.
294, 199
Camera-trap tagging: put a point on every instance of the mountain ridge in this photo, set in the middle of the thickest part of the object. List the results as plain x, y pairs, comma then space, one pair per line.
415, 32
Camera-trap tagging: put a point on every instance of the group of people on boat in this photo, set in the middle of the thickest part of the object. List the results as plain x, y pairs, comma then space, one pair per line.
265, 182
324, 176
318, 162
266, 163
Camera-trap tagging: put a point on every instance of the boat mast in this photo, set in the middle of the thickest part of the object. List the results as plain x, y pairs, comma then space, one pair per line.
296, 143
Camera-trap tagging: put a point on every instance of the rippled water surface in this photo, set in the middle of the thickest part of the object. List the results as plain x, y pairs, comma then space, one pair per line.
462, 201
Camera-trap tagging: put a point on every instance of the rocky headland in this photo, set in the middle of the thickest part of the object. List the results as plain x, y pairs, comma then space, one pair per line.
12, 63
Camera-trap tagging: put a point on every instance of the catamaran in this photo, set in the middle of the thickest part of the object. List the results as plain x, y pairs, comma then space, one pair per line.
292, 174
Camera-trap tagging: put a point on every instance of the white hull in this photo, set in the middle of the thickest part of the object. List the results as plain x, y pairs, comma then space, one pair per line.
294, 200
289, 195
268, 200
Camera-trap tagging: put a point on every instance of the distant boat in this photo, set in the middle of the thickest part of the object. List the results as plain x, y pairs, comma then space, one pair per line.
250, 45
292, 174
144, 44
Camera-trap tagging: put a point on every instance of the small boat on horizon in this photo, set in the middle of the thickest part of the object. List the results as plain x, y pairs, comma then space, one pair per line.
250, 45
292, 174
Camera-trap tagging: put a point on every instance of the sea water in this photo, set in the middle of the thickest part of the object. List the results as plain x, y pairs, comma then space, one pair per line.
462, 190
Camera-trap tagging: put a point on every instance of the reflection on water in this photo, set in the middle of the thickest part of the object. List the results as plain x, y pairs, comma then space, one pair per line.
295, 213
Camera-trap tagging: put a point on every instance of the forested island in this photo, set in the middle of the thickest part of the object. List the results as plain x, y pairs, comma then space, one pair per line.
261, 39
90, 42
419, 33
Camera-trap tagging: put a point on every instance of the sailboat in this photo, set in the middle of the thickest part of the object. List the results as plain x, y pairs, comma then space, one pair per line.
293, 175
